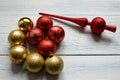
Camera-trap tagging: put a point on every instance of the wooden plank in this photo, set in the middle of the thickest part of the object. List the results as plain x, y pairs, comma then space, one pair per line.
77, 41
86, 56
84, 7
76, 67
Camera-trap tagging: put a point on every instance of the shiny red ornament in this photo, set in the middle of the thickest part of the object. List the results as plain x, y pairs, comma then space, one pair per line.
35, 35
56, 34
98, 25
44, 23
46, 47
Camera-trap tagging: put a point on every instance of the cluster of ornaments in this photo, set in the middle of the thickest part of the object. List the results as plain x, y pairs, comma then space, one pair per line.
45, 36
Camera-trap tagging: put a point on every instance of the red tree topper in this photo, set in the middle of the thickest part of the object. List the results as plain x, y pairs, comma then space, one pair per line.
98, 24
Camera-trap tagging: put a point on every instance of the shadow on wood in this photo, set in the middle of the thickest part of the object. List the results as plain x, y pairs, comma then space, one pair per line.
35, 76
31, 48
51, 77
101, 38
16, 68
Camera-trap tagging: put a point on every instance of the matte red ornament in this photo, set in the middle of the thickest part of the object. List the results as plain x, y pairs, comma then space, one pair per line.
56, 34
44, 22
46, 47
98, 24
35, 35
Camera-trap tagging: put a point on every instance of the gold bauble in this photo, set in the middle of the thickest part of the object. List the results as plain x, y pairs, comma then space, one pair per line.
54, 65
18, 54
34, 62
16, 37
25, 24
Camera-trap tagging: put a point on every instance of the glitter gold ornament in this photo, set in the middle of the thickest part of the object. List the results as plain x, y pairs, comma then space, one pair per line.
16, 37
25, 24
34, 62
18, 54
54, 65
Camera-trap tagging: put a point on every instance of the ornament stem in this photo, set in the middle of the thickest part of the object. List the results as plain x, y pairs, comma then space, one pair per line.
111, 28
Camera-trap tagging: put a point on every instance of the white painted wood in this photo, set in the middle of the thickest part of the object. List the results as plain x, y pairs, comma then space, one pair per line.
106, 7
100, 62
77, 41
76, 67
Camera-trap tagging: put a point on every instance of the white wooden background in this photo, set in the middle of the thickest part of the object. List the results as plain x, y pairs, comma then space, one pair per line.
86, 56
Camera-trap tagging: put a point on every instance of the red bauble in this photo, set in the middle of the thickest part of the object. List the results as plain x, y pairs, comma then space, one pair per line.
56, 34
35, 35
44, 23
98, 25
46, 47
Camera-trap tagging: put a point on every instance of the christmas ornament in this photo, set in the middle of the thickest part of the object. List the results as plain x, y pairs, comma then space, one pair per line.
25, 24
46, 47
34, 62
54, 65
98, 25
35, 35
56, 34
16, 37
18, 54
44, 23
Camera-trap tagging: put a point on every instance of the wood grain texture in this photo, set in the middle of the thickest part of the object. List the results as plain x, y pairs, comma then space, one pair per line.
76, 67
86, 56
77, 40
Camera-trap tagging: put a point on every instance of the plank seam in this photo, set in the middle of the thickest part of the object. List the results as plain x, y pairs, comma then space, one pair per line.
78, 54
